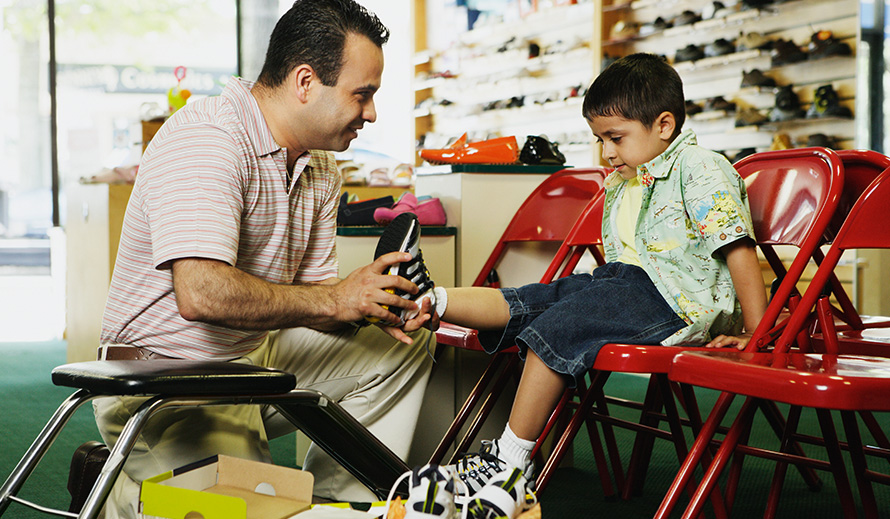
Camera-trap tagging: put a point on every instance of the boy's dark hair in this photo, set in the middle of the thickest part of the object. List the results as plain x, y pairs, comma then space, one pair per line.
313, 32
637, 87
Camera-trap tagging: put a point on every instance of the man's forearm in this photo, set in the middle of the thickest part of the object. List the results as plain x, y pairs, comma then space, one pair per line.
215, 292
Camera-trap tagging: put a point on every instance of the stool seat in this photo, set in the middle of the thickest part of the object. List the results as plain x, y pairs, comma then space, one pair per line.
172, 377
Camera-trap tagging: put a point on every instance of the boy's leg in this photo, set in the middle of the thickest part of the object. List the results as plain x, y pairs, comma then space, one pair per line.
482, 308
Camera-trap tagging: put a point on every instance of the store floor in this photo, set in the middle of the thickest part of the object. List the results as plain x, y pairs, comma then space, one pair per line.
29, 398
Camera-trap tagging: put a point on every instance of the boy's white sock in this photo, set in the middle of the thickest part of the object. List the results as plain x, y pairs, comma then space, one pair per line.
514, 450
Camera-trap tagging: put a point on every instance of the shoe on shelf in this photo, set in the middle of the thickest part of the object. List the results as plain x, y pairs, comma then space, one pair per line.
475, 470
501, 150
539, 150
781, 141
749, 117
785, 52
429, 212
692, 107
430, 494
719, 47
506, 495
753, 41
787, 106
827, 104
718, 104
403, 235
822, 140
756, 78
687, 17
823, 44
690, 52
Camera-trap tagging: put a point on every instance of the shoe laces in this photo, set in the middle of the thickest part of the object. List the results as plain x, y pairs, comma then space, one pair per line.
406, 475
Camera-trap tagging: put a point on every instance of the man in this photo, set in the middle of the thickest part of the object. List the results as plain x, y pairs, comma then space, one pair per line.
227, 252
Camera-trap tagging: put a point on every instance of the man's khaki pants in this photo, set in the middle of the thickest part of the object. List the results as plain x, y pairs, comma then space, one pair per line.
378, 380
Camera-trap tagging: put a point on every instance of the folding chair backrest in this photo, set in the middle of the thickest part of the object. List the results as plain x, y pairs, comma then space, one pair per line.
586, 235
861, 167
793, 195
549, 211
865, 227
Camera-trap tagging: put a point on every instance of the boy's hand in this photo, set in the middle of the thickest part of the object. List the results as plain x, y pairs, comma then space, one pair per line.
726, 341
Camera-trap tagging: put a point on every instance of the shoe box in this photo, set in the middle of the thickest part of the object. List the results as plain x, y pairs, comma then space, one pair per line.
225, 487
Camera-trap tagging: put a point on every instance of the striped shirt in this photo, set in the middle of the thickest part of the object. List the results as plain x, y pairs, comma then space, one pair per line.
212, 184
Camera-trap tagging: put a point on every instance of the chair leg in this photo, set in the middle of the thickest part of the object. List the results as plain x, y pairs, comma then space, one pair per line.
497, 388
41, 444
467, 408
772, 505
699, 449
611, 443
777, 422
832, 445
643, 442
860, 466
559, 450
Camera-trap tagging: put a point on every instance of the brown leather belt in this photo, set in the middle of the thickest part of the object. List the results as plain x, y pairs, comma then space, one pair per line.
130, 353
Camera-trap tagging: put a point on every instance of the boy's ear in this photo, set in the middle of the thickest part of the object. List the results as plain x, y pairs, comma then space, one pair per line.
666, 123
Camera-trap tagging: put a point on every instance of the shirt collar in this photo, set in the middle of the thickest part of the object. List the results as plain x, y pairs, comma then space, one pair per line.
237, 91
660, 166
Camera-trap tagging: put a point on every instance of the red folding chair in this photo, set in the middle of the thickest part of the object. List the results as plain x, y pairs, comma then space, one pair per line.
857, 334
824, 381
792, 194
547, 215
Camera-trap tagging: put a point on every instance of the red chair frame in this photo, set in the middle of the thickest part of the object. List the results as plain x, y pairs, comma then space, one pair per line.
773, 226
828, 381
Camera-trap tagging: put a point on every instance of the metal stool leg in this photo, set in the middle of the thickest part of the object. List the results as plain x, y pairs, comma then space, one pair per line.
39, 447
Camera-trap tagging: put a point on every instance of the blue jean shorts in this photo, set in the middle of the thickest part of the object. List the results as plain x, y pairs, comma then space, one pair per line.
567, 321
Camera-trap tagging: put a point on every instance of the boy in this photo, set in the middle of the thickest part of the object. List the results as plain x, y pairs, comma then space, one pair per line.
682, 267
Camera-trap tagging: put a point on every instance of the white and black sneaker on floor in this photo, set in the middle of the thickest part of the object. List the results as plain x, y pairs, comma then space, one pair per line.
475, 470
506, 495
431, 493
403, 235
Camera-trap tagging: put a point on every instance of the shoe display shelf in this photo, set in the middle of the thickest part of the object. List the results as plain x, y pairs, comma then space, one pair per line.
731, 131
522, 77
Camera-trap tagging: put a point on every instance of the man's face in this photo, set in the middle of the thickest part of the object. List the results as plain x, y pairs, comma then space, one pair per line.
340, 111
627, 143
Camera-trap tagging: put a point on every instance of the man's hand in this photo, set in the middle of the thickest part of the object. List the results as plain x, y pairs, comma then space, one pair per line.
365, 291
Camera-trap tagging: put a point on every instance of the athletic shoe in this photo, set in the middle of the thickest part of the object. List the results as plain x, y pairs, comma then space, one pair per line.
430, 493
403, 235
475, 470
506, 495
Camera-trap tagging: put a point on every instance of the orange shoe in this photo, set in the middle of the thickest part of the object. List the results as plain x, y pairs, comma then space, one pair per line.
502, 150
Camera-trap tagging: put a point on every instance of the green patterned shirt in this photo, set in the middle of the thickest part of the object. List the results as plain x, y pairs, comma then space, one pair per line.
694, 202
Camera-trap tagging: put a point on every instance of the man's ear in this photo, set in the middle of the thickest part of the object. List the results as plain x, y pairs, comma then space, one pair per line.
666, 123
303, 78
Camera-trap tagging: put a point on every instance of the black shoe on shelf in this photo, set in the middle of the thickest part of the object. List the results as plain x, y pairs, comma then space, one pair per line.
538, 150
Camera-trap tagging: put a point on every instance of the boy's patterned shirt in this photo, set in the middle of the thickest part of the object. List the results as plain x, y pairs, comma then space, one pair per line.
694, 202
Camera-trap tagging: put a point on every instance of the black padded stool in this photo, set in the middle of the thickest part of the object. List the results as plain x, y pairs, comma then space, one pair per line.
182, 383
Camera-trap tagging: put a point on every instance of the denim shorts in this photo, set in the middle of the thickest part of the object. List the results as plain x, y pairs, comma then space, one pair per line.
567, 321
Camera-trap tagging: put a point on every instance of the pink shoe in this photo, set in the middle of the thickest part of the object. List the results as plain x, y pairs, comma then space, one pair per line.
429, 212
407, 204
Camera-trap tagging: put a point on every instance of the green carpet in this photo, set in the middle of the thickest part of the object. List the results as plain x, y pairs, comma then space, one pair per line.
29, 398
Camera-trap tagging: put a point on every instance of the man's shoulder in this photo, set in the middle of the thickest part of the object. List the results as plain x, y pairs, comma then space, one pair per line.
322, 160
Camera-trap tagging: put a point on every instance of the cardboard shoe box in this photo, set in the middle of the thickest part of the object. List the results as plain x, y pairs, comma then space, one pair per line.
223, 487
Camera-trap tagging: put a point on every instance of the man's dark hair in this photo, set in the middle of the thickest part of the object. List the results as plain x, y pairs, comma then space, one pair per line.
637, 87
313, 32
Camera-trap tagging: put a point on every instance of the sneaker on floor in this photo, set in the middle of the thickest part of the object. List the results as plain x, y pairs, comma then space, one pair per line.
403, 235
507, 494
475, 470
430, 493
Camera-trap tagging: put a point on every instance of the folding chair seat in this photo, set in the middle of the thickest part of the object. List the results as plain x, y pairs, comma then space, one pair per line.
792, 195
546, 216
178, 383
827, 381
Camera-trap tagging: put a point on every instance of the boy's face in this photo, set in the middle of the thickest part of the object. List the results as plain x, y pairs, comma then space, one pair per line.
628, 143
